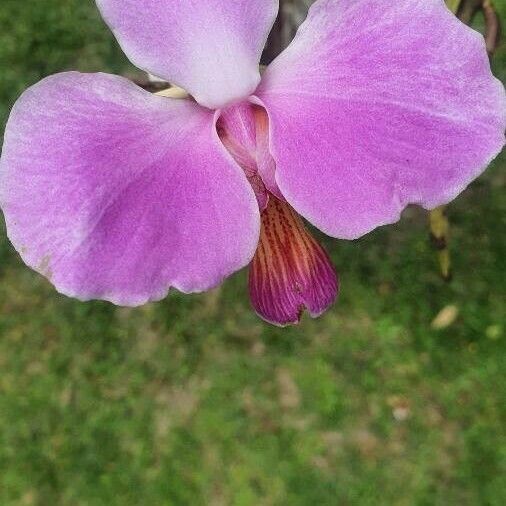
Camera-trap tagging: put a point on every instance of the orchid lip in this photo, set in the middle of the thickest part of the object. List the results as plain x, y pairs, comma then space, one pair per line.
291, 271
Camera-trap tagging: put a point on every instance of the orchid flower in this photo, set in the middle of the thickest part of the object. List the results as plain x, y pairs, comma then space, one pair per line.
117, 194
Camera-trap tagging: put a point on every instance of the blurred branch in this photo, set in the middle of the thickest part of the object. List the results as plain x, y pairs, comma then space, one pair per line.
439, 234
453, 5
492, 26
468, 9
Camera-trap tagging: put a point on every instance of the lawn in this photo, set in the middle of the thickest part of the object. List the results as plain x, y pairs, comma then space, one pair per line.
195, 401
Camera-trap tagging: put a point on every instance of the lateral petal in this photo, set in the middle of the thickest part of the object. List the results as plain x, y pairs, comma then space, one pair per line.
113, 193
376, 105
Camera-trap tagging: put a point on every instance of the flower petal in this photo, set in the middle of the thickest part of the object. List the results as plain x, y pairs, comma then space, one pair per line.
290, 271
116, 194
244, 130
211, 48
376, 105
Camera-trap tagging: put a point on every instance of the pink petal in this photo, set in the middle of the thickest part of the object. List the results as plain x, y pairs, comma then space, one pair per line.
265, 162
376, 105
237, 131
211, 48
290, 271
116, 194
244, 130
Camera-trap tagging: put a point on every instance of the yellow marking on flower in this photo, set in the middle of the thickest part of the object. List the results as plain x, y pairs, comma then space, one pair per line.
173, 92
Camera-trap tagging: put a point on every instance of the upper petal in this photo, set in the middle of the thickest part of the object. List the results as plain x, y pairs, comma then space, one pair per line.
376, 105
116, 194
211, 48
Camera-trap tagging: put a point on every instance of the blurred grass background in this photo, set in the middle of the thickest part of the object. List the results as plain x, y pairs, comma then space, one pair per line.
194, 401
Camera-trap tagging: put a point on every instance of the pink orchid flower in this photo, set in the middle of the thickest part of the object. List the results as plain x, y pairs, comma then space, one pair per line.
117, 194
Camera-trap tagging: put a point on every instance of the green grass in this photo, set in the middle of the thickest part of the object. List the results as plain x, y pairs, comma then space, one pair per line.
194, 401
